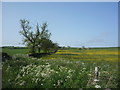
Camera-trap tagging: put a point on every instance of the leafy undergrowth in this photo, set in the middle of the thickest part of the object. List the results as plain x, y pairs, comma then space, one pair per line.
27, 72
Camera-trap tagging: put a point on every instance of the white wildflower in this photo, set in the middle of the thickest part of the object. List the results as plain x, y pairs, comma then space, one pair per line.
84, 68
89, 75
56, 72
9, 80
18, 77
8, 68
36, 80
21, 84
83, 63
97, 86
96, 80
68, 76
58, 82
53, 84
65, 79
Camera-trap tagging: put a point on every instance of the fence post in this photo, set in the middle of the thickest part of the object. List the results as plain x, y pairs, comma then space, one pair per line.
97, 73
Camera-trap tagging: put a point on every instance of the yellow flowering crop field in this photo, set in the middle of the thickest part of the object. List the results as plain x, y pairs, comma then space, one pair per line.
91, 54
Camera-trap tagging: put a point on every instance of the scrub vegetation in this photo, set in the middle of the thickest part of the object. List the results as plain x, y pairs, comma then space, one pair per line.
67, 68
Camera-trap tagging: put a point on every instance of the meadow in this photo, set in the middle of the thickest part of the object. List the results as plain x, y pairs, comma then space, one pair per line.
67, 68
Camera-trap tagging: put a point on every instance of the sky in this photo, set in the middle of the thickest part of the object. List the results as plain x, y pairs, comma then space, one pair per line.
60, 0
76, 24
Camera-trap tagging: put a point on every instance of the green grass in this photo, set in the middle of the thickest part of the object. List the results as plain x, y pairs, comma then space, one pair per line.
70, 68
15, 51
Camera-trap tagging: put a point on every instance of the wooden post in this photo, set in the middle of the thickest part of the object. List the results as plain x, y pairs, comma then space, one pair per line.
97, 69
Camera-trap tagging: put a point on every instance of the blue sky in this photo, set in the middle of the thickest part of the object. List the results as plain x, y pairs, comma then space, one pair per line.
71, 24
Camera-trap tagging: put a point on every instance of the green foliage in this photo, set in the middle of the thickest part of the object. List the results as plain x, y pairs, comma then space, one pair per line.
29, 36
61, 72
36, 40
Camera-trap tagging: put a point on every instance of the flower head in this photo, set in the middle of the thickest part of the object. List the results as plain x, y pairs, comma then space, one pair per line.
97, 86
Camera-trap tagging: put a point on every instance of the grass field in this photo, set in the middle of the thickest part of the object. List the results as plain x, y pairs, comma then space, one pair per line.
68, 68
15, 51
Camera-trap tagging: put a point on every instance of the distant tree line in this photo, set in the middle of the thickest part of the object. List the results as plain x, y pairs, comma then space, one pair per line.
14, 47
37, 40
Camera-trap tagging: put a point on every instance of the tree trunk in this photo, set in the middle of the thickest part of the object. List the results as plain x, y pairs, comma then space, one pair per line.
33, 49
38, 50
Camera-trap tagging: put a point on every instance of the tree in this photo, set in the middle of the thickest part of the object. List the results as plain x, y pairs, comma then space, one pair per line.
43, 39
55, 47
46, 45
37, 39
29, 37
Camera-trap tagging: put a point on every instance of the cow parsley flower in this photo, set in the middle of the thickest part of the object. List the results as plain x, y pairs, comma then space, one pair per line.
97, 86
96, 80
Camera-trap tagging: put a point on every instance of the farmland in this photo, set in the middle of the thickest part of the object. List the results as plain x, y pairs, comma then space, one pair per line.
67, 68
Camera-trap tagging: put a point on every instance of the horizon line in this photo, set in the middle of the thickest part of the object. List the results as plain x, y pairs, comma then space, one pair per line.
61, 46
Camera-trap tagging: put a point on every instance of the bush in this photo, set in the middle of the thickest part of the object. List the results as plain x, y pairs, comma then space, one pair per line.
5, 56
